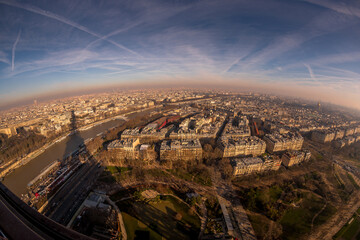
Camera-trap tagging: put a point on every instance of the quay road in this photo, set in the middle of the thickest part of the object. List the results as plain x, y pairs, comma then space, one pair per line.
63, 205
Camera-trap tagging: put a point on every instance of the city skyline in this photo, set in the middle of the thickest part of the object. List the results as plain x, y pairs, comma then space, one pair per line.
299, 48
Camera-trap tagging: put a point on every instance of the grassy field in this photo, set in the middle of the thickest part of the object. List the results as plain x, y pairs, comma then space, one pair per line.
297, 221
352, 180
200, 176
112, 174
261, 225
136, 229
350, 230
281, 211
167, 219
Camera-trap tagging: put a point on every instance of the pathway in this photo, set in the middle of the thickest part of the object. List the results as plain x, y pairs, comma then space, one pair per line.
242, 226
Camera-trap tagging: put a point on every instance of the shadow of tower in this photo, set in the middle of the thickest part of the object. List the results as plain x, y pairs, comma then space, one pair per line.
75, 140
60, 207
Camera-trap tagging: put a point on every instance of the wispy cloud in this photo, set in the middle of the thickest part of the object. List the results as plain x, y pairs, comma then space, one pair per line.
3, 58
64, 20
339, 6
57, 60
345, 57
320, 25
13, 51
335, 71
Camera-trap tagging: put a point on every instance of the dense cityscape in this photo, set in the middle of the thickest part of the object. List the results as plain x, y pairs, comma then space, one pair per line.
166, 145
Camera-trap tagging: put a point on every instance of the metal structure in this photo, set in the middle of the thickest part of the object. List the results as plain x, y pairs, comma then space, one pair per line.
19, 221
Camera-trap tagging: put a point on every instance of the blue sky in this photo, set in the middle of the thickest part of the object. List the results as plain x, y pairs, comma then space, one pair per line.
307, 48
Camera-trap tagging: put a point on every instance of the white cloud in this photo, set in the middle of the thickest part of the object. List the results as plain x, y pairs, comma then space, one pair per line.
338, 6
3, 58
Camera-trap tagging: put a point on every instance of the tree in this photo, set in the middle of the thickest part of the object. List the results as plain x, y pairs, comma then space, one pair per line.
208, 154
226, 168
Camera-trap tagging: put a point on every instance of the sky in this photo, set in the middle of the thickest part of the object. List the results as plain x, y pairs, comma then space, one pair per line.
307, 48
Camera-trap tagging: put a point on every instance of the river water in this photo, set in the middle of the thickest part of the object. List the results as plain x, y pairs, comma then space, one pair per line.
17, 180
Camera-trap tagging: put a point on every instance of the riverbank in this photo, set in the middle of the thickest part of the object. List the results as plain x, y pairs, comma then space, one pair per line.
14, 164
18, 180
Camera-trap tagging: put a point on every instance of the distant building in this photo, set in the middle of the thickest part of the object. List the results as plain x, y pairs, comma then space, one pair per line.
270, 162
131, 149
249, 165
184, 150
324, 136
276, 142
295, 157
10, 131
154, 131
339, 134
124, 148
244, 166
241, 146
198, 126
237, 127
350, 131
335, 133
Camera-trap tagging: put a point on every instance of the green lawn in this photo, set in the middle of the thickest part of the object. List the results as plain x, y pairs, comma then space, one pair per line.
156, 173
260, 224
168, 218
350, 231
200, 176
134, 228
352, 180
297, 221
114, 169
325, 215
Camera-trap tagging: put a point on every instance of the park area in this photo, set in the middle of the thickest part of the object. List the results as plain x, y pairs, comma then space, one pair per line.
351, 230
165, 217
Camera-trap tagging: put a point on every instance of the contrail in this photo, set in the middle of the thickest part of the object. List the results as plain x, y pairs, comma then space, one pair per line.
312, 75
232, 65
63, 20
112, 34
13, 51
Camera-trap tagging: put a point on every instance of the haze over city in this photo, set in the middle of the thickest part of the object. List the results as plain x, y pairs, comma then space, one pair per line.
299, 48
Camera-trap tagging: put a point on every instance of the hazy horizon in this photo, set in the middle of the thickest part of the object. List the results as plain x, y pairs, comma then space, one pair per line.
58, 95
307, 49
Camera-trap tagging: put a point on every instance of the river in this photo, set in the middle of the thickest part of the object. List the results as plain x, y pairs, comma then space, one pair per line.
17, 180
